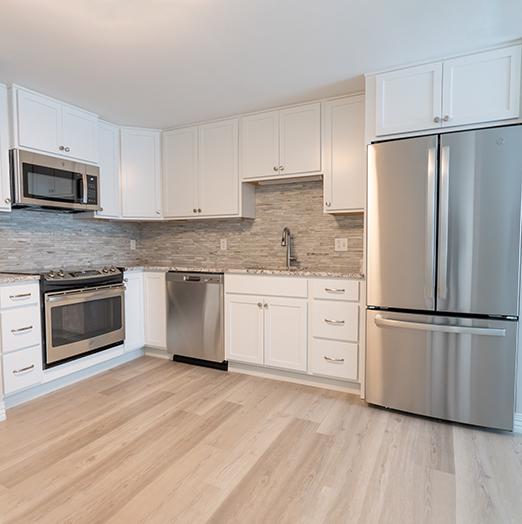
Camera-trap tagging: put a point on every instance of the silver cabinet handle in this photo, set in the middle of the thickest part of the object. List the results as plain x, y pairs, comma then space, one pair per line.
7, 200
20, 296
67, 149
334, 290
446, 118
125, 279
436, 119
199, 210
334, 322
331, 359
259, 305
22, 329
281, 168
158, 213
23, 370
265, 306
328, 204
194, 210
61, 148
424, 326
276, 168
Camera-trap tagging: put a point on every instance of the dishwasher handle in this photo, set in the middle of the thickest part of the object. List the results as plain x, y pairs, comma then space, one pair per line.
192, 278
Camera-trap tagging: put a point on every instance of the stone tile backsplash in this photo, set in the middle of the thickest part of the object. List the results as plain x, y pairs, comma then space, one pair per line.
35, 239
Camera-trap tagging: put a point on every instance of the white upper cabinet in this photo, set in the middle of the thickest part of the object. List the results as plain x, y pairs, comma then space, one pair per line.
140, 173
300, 139
45, 124
344, 155
109, 162
481, 88
180, 165
409, 99
473, 89
281, 143
260, 145
218, 170
5, 185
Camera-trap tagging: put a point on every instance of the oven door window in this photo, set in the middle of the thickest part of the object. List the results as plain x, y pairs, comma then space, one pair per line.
81, 321
55, 185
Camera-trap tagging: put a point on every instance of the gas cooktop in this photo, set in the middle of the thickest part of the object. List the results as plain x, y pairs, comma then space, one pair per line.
75, 274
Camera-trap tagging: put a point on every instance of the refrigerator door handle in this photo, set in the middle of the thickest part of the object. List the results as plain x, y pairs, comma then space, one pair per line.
443, 223
380, 321
429, 277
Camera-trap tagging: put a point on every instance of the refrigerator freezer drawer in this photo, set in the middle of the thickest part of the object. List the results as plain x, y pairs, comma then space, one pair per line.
451, 368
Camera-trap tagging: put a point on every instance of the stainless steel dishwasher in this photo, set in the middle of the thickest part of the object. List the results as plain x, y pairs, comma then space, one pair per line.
195, 318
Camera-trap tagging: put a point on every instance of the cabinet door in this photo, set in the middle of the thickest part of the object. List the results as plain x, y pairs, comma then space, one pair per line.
39, 122
5, 183
140, 172
134, 316
344, 153
244, 328
109, 162
259, 148
409, 99
286, 333
180, 157
218, 173
79, 134
482, 87
300, 139
155, 304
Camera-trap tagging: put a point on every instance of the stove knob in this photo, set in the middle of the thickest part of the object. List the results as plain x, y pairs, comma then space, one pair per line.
113, 269
105, 269
51, 274
61, 273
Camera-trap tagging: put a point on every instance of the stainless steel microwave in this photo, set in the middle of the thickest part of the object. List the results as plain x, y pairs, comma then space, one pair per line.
50, 182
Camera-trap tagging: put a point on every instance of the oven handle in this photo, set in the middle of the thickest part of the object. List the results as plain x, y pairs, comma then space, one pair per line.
87, 293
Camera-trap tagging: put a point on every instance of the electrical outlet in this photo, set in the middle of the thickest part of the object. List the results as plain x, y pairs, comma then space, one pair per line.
341, 244
133, 245
223, 244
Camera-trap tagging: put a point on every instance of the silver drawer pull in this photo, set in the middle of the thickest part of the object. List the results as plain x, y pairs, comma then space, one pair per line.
22, 330
23, 370
334, 290
20, 296
334, 322
331, 359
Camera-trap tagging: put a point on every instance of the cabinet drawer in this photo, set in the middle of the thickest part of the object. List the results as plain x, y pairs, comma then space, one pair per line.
22, 295
335, 289
20, 328
22, 369
336, 320
332, 358
267, 285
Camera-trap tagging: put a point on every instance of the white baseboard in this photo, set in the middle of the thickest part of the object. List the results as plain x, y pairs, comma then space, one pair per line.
296, 378
517, 423
60, 382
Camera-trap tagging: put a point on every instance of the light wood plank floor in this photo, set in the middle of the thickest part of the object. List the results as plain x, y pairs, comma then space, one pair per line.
155, 441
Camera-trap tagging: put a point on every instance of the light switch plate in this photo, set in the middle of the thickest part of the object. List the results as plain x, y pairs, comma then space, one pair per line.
133, 245
341, 244
223, 244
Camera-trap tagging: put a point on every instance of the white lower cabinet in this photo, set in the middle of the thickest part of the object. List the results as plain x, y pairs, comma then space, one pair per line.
155, 306
134, 315
334, 358
22, 369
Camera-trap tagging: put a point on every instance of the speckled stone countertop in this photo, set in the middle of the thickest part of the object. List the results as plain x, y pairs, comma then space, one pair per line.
254, 271
7, 278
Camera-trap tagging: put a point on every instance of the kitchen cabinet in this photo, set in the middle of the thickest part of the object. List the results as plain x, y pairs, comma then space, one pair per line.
281, 143
5, 183
473, 89
134, 311
155, 307
44, 124
109, 162
140, 173
201, 173
344, 155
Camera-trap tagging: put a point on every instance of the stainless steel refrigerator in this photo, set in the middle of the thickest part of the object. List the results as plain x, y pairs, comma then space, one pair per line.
443, 265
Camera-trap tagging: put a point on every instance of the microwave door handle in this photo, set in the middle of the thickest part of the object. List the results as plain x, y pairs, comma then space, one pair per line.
84, 193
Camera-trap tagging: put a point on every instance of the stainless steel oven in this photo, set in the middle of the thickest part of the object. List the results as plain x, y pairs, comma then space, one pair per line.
49, 182
83, 312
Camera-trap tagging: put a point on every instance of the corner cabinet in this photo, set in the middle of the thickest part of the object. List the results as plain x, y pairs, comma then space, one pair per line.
140, 173
5, 183
472, 89
344, 155
44, 124
281, 143
109, 163
201, 173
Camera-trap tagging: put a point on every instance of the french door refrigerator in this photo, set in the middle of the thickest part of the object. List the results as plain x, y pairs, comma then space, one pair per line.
443, 264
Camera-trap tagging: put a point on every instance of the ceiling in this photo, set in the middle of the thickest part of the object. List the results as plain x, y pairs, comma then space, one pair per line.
161, 63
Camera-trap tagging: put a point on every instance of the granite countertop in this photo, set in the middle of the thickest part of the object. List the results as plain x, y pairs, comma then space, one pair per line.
254, 271
8, 278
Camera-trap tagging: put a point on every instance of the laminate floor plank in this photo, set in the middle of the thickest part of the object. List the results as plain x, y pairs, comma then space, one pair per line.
160, 442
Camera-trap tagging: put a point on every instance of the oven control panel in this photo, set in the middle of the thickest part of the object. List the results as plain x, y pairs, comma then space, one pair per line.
61, 274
